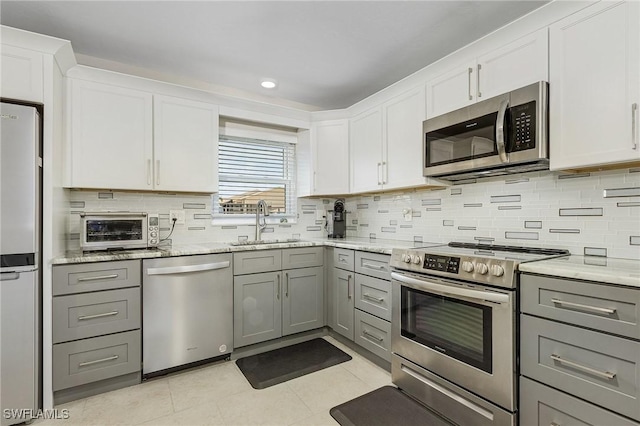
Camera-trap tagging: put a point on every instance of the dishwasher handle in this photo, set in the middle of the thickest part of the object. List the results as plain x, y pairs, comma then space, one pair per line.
168, 270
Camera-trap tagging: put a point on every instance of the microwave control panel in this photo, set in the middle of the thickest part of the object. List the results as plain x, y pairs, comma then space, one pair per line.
523, 126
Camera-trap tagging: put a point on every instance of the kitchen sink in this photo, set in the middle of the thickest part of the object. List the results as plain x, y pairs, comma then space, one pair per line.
263, 242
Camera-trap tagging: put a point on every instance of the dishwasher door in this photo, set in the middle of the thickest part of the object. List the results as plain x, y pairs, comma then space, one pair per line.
187, 305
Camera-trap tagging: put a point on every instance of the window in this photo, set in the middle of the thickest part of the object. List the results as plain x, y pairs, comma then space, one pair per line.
251, 170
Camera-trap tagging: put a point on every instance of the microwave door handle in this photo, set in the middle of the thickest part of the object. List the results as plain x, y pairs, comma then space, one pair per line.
502, 112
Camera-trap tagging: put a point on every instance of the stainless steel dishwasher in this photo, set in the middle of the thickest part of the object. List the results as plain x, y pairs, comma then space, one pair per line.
187, 310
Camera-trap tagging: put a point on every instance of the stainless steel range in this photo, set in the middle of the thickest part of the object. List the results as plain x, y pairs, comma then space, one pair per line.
454, 328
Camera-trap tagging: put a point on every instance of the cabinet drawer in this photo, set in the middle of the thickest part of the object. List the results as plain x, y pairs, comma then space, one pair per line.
99, 358
343, 259
79, 316
602, 307
373, 295
597, 367
81, 278
373, 334
252, 262
303, 257
374, 264
542, 406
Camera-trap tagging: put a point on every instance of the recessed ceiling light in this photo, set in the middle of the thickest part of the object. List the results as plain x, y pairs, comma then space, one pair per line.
268, 83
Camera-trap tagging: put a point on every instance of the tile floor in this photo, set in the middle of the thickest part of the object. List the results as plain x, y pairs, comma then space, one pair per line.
220, 395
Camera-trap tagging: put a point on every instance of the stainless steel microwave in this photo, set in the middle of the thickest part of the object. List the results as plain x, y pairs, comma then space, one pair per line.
116, 230
502, 135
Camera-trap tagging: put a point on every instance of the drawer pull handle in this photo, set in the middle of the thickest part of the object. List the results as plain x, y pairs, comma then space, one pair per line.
349, 287
370, 266
101, 277
106, 314
97, 361
603, 374
553, 424
375, 299
373, 336
584, 307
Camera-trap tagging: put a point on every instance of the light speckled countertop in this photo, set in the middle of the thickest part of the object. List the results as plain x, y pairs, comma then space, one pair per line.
599, 269
363, 244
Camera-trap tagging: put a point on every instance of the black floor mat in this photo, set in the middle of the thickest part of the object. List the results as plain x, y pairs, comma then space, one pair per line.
386, 406
277, 366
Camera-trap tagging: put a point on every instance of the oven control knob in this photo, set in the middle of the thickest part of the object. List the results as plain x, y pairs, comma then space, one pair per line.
406, 258
416, 260
482, 268
497, 270
467, 266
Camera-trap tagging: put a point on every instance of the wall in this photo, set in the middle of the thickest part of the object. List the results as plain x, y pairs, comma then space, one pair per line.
534, 209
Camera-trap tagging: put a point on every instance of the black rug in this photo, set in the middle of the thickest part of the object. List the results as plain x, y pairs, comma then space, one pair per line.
386, 406
277, 366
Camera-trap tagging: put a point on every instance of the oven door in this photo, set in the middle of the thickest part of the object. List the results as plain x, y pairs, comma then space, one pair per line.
462, 332
103, 232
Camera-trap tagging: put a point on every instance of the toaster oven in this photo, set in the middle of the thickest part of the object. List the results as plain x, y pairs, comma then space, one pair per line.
118, 231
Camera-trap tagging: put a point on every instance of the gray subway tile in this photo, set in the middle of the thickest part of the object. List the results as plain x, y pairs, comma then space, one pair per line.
432, 202
194, 206
587, 211
574, 175
466, 228
447, 223
564, 231
510, 235
472, 205
505, 198
362, 206
388, 229
456, 191
509, 207
105, 195
621, 192
314, 228
595, 251
533, 224
629, 204
634, 240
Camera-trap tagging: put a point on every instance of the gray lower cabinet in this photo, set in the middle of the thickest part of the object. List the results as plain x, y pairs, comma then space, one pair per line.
541, 405
580, 338
343, 294
269, 305
96, 328
373, 295
257, 308
373, 334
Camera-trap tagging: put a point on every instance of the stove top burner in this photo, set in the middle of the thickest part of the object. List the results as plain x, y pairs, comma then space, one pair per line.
513, 249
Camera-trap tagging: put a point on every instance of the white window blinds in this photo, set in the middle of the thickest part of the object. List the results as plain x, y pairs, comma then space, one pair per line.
251, 170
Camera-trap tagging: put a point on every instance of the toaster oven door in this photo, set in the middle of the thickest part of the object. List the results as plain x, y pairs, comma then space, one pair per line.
110, 232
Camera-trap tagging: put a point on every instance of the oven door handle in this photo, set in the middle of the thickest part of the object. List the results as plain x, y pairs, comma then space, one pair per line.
451, 290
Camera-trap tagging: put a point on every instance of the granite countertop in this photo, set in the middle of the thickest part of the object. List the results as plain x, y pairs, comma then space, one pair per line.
591, 268
363, 244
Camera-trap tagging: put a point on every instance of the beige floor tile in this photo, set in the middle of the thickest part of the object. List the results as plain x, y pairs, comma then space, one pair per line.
206, 385
327, 388
368, 372
132, 405
200, 415
340, 346
319, 419
276, 405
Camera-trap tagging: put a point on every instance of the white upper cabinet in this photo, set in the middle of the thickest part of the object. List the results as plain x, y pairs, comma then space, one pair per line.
185, 145
330, 151
386, 145
595, 87
111, 137
366, 151
22, 74
517, 64
122, 138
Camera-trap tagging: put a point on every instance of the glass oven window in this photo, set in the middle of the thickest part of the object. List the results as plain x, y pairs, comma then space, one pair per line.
114, 230
457, 328
465, 141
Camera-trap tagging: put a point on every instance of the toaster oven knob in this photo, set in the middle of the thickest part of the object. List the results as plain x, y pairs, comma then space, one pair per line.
153, 234
497, 270
467, 266
482, 268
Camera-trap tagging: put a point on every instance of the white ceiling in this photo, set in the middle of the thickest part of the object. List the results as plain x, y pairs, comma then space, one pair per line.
324, 54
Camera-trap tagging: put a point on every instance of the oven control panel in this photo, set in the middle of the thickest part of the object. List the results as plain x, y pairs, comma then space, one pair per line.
441, 263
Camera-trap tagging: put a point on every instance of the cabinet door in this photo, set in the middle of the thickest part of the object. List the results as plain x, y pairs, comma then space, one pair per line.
21, 74
185, 145
111, 137
366, 151
257, 311
518, 64
343, 302
595, 86
452, 90
403, 117
330, 146
303, 301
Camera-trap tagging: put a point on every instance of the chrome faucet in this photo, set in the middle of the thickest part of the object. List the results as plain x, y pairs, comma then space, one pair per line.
261, 206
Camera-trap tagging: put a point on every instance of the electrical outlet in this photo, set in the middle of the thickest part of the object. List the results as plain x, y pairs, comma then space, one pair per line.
178, 215
320, 214
408, 215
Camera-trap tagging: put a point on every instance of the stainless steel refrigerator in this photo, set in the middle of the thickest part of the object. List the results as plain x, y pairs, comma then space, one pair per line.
20, 282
